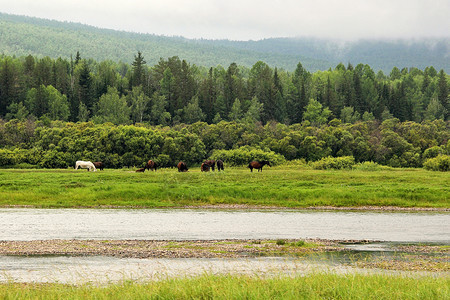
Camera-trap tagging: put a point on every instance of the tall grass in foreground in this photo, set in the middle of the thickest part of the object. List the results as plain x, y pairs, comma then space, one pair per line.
315, 286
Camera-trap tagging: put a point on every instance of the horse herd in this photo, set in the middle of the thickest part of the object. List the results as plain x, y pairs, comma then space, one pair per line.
206, 166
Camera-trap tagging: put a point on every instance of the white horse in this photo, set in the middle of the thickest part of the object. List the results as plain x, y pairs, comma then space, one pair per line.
85, 165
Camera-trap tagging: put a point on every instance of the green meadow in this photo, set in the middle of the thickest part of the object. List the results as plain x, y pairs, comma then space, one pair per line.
315, 286
281, 186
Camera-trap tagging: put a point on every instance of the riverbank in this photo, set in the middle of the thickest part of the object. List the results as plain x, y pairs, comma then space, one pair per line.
277, 187
262, 207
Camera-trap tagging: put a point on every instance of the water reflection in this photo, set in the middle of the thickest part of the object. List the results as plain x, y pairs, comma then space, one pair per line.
103, 269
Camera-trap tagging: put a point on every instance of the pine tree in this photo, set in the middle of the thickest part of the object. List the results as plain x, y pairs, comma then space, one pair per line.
77, 58
85, 86
9, 85
443, 93
167, 85
138, 76
207, 96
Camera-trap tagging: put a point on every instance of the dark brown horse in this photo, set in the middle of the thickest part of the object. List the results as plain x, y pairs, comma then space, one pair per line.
182, 167
219, 165
140, 170
99, 165
205, 167
211, 163
256, 164
151, 165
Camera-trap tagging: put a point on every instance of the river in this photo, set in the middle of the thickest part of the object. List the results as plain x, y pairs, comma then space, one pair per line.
189, 224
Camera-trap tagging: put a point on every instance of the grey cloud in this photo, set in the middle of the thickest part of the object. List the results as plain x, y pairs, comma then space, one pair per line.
252, 19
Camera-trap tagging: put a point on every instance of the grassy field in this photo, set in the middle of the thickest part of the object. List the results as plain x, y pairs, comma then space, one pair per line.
315, 286
282, 186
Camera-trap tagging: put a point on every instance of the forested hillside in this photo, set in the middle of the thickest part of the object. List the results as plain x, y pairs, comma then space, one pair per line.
22, 36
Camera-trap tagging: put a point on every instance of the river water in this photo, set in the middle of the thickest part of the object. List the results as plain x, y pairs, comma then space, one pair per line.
188, 224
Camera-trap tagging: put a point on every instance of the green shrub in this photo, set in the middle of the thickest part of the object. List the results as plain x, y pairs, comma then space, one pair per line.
439, 163
432, 152
54, 159
343, 162
295, 163
7, 157
163, 161
244, 155
367, 166
298, 244
24, 166
281, 242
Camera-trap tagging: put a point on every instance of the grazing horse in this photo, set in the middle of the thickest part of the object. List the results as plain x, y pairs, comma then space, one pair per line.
211, 163
99, 165
182, 167
151, 165
219, 165
256, 164
140, 170
85, 165
205, 167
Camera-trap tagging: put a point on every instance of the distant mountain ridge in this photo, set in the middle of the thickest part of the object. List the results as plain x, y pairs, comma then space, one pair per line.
21, 36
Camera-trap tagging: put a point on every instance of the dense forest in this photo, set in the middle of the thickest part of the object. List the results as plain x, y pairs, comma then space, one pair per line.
57, 144
22, 36
174, 91
56, 111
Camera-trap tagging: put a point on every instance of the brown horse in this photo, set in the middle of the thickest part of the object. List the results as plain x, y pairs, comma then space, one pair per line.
219, 165
140, 170
182, 167
151, 165
99, 165
205, 167
211, 163
256, 164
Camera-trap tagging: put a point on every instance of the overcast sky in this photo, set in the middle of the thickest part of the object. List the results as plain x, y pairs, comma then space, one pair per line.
251, 19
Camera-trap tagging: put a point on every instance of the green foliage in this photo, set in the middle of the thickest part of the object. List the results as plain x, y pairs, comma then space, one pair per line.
367, 166
438, 163
432, 152
392, 143
173, 92
338, 163
315, 114
7, 157
348, 115
193, 113
113, 108
244, 155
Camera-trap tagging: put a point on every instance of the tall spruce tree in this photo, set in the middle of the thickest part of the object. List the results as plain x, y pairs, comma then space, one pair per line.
443, 93
138, 76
